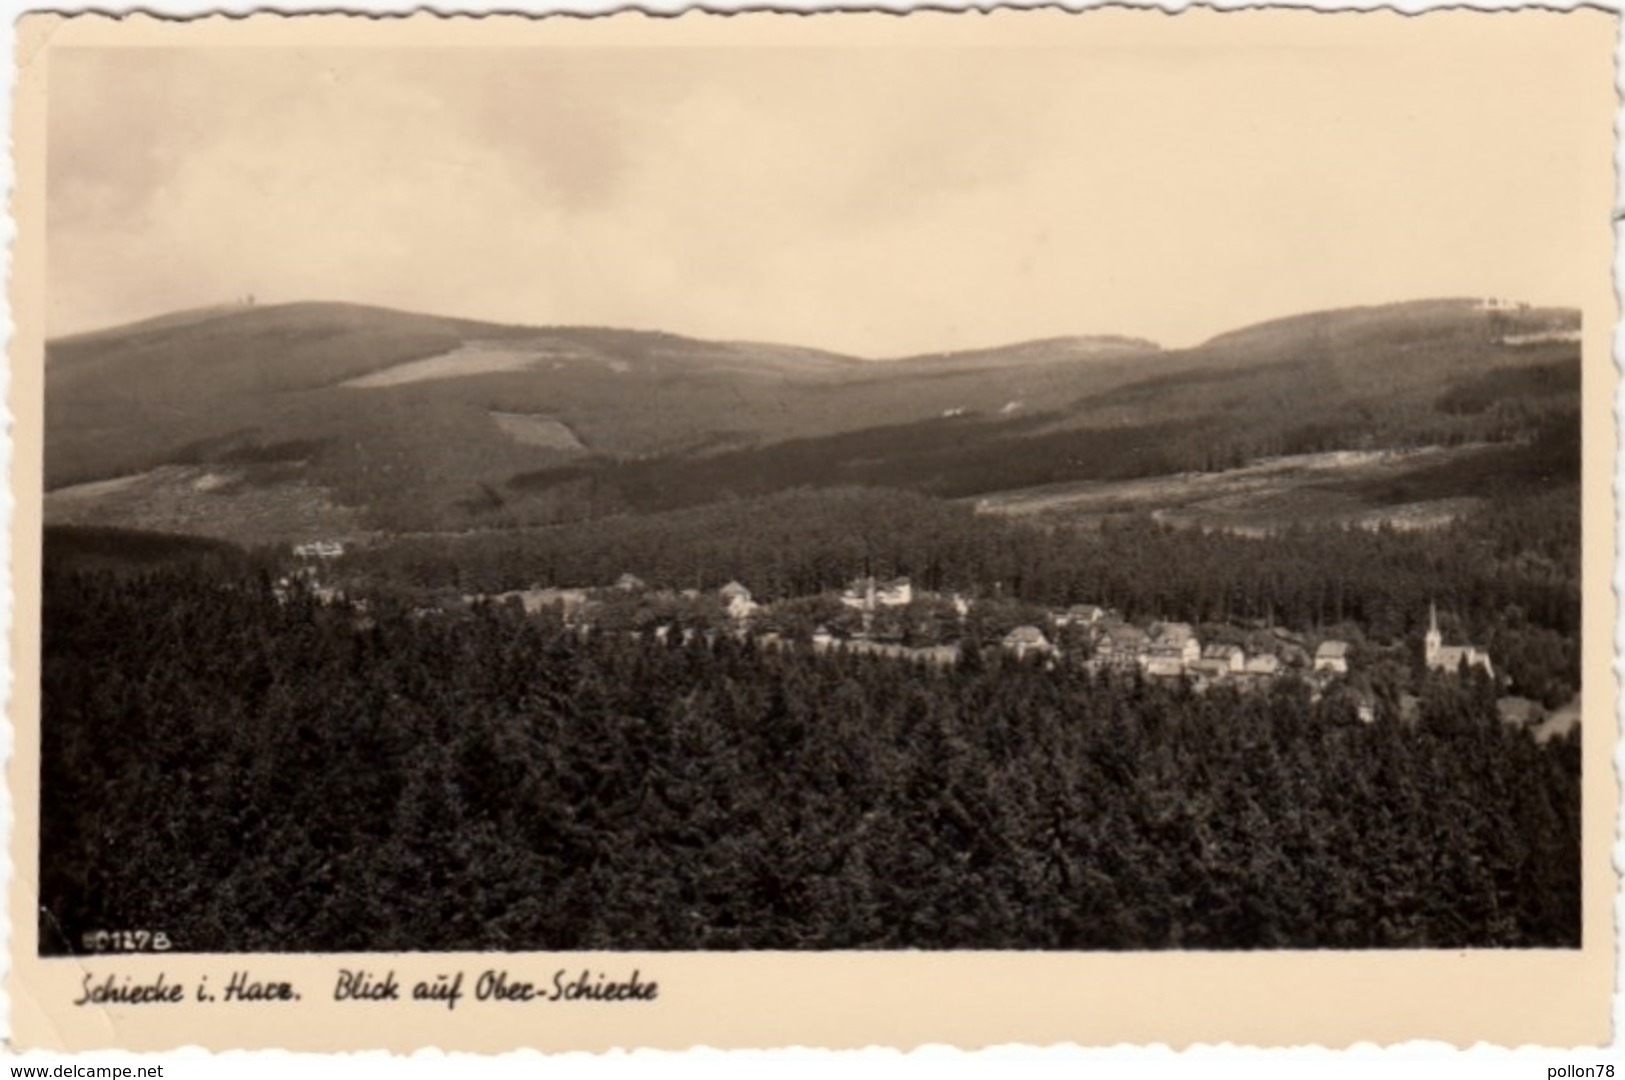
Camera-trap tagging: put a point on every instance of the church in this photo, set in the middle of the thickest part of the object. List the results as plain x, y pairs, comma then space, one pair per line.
1442, 657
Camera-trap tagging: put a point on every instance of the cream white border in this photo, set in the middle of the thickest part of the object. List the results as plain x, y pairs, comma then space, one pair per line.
840, 1000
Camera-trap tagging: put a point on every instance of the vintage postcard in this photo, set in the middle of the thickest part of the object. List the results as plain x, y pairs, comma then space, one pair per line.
761, 531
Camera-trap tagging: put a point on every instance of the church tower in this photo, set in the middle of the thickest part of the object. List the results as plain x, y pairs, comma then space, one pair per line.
1434, 640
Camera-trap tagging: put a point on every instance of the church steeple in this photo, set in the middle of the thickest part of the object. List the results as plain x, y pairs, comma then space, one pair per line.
1434, 639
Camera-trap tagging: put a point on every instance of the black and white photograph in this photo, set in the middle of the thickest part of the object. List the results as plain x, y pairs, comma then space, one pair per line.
1113, 495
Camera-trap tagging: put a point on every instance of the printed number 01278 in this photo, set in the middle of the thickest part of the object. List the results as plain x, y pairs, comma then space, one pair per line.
126, 941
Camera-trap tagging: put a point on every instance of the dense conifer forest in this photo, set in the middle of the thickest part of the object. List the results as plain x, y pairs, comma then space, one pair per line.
833, 565
249, 768
1507, 577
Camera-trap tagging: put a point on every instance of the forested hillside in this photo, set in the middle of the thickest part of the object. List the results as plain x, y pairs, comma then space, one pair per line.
366, 745
253, 775
312, 419
1509, 575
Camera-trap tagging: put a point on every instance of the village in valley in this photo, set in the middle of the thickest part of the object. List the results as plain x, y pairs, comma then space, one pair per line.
892, 618
945, 543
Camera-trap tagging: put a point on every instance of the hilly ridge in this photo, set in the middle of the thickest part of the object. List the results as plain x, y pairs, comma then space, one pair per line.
351, 419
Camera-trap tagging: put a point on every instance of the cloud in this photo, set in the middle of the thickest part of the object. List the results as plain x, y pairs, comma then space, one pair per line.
881, 201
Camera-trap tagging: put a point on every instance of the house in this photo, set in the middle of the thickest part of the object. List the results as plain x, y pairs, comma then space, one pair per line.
736, 599
1026, 641
940, 655
1452, 659
866, 594
1264, 664
1081, 615
1211, 669
534, 601
1231, 657
1120, 645
1181, 636
630, 583
319, 549
1173, 633
1163, 662
571, 600
1332, 656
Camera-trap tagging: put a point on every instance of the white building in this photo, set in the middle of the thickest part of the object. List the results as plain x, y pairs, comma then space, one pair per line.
1081, 615
1231, 656
1178, 635
1027, 640
737, 600
1333, 656
1163, 662
1264, 664
1452, 658
867, 594
319, 549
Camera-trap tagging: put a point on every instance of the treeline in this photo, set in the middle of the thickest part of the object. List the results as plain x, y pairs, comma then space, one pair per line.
254, 775
94, 547
1448, 392
1522, 553
1506, 577
948, 457
961, 457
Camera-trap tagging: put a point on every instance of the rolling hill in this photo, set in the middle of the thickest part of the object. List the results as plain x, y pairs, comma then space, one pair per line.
297, 420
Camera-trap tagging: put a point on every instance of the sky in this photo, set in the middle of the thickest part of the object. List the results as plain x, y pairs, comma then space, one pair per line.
878, 201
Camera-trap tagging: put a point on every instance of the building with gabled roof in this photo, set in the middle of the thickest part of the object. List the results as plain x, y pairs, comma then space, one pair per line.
736, 598
1173, 633
1027, 641
1081, 615
1332, 656
319, 549
1211, 669
1452, 659
1121, 645
868, 593
1181, 636
1163, 662
1264, 664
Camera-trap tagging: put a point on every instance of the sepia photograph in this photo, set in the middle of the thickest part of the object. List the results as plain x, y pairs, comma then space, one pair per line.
1104, 494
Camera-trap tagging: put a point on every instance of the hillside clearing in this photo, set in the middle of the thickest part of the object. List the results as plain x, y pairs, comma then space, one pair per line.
537, 429
1269, 494
211, 502
473, 358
